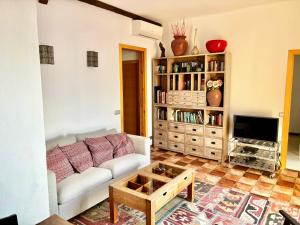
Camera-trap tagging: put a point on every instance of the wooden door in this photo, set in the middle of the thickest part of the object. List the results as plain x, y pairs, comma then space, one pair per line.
131, 100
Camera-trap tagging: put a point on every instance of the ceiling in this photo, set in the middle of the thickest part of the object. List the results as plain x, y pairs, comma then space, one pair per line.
162, 10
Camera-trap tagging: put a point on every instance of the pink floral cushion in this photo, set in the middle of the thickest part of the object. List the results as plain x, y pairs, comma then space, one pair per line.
101, 149
121, 143
59, 164
78, 155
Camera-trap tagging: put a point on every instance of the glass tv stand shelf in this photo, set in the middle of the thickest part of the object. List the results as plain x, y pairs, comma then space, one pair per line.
256, 154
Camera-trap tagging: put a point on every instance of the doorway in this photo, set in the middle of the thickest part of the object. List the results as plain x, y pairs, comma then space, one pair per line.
133, 89
291, 122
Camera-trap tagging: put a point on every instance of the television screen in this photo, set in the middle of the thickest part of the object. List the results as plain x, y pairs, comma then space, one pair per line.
259, 128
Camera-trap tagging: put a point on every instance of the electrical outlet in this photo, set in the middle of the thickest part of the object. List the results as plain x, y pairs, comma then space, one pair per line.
281, 114
117, 112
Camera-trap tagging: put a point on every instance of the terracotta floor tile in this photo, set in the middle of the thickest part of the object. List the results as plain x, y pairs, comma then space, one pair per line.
209, 166
283, 190
251, 175
254, 171
284, 183
261, 191
201, 176
287, 178
237, 167
295, 200
212, 179
226, 183
203, 170
166, 155
197, 163
280, 196
217, 173
222, 168
248, 181
297, 190
263, 185
268, 180
158, 158
181, 163
186, 160
243, 187
203, 160
298, 180
290, 173
236, 172
232, 177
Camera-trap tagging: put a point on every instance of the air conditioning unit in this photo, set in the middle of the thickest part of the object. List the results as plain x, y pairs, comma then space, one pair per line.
145, 29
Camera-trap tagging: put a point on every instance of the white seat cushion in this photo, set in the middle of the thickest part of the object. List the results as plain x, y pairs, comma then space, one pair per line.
124, 164
78, 184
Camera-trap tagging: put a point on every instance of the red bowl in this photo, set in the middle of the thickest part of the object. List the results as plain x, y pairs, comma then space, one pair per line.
214, 46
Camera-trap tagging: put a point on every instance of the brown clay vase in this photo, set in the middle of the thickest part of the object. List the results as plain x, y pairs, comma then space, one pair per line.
214, 97
179, 45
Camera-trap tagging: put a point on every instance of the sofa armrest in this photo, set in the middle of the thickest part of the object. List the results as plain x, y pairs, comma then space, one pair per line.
52, 189
141, 145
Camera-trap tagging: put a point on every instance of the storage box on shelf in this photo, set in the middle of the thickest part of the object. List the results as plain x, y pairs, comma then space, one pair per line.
190, 125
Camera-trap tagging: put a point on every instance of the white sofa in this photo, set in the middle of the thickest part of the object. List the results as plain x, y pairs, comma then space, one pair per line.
81, 191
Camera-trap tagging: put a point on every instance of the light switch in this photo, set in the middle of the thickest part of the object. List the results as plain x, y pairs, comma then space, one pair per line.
117, 112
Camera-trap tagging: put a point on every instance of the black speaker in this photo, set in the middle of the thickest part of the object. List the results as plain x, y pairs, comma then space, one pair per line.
10, 220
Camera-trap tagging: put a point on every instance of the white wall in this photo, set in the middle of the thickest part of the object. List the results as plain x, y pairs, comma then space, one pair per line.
295, 106
259, 39
23, 176
78, 98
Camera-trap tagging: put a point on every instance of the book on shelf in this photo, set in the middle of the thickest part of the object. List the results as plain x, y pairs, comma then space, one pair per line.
161, 114
160, 97
188, 117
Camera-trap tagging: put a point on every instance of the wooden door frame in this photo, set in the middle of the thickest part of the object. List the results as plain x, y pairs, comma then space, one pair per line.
287, 104
143, 71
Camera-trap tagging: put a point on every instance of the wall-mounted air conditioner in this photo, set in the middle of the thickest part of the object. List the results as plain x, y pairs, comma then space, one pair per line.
149, 30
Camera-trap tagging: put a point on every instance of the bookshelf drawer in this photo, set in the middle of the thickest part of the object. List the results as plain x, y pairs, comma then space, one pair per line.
177, 127
161, 125
170, 99
214, 143
214, 132
160, 143
176, 137
194, 129
213, 153
174, 146
186, 94
194, 140
201, 94
160, 134
194, 149
201, 100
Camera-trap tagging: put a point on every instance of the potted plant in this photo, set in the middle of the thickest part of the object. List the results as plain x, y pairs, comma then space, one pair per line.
214, 95
179, 45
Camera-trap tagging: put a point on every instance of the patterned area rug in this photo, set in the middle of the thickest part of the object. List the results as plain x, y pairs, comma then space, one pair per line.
213, 205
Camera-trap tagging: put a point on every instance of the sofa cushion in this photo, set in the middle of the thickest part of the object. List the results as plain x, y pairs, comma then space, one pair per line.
122, 144
124, 164
78, 155
101, 149
61, 141
94, 134
80, 183
59, 164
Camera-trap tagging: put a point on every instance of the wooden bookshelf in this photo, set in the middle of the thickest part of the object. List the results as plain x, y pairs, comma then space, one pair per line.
179, 97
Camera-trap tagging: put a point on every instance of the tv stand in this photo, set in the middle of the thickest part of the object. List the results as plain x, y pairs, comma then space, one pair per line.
256, 154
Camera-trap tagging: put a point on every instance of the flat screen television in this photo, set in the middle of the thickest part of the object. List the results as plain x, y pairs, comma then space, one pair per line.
259, 128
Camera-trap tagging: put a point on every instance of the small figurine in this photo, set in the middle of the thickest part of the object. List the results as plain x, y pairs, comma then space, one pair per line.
163, 50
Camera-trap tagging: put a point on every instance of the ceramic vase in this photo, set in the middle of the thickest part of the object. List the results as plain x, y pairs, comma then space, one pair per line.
214, 97
179, 45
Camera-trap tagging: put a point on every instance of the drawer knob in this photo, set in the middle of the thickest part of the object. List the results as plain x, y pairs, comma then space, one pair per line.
194, 129
164, 194
160, 125
213, 143
213, 153
160, 134
194, 139
176, 127
213, 132
185, 178
193, 149
175, 136
160, 143
175, 146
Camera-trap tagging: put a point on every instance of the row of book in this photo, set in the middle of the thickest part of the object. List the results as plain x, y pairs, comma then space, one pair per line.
188, 117
215, 65
161, 97
215, 119
162, 114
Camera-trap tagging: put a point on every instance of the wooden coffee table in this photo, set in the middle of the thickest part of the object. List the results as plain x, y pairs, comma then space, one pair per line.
150, 188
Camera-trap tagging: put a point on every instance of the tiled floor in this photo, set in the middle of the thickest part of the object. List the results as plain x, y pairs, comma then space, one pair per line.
284, 187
